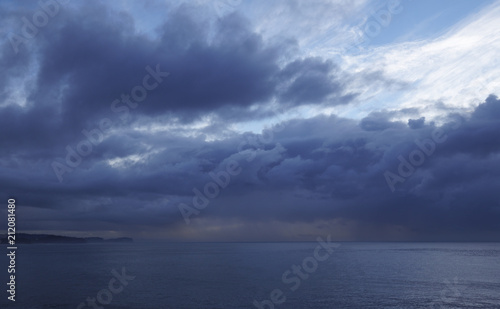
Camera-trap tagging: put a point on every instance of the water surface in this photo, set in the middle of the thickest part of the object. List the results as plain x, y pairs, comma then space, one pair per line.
233, 275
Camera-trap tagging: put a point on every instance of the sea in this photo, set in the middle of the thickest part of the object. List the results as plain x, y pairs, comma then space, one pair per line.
147, 274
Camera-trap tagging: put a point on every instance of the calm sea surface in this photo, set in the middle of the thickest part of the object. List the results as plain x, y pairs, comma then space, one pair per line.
234, 275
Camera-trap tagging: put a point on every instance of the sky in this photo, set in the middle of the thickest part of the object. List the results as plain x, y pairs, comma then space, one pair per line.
239, 120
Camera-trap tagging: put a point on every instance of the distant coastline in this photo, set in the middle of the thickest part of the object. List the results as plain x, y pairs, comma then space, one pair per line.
23, 238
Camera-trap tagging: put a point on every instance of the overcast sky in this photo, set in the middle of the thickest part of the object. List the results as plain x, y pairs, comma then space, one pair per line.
229, 120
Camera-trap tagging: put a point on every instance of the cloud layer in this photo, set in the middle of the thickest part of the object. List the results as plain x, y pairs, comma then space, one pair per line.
300, 177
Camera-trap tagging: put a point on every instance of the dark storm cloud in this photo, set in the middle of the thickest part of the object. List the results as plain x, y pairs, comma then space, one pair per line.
416, 123
304, 170
379, 121
311, 81
336, 170
85, 59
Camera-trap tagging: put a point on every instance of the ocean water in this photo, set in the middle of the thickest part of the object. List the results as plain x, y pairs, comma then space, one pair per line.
234, 275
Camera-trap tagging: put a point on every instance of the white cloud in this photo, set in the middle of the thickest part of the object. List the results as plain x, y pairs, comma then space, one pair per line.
458, 69
316, 23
